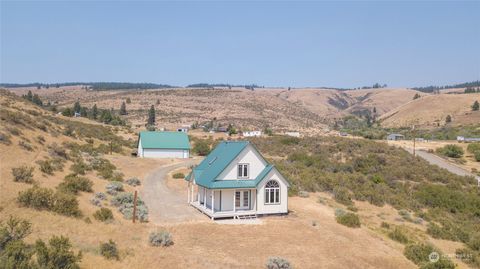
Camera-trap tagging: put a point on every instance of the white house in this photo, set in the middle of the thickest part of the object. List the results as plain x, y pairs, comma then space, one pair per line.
163, 145
252, 133
294, 134
234, 180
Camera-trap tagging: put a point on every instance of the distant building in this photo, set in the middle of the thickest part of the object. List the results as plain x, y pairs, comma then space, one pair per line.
395, 137
294, 134
183, 129
467, 139
76, 115
163, 145
252, 133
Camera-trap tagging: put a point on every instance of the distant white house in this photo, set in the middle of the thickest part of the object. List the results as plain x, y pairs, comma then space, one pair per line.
252, 133
163, 145
183, 129
467, 139
395, 137
234, 180
294, 134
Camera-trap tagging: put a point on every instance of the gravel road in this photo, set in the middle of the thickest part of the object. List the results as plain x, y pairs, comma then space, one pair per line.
166, 205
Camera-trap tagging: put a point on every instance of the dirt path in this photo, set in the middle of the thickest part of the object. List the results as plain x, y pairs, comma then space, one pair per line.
166, 205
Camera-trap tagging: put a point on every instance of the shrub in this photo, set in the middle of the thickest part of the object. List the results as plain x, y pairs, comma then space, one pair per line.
103, 214
452, 151
23, 174
398, 235
349, 219
477, 156
278, 263
56, 151
162, 238
49, 166
474, 242
96, 202
73, 184
133, 182
79, 167
303, 194
109, 250
342, 195
114, 187
124, 203
418, 253
66, 204
385, 225
473, 147
468, 256
13, 230
100, 196
25, 145
57, 254
37, 198
179, 175
16, 254
201, 148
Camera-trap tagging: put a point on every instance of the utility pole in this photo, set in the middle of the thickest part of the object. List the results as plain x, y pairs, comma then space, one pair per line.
134, 206
413, 129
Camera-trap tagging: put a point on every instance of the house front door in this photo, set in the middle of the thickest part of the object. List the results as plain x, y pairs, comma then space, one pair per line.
242, 200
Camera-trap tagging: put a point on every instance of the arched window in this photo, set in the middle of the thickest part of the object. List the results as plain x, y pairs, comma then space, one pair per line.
272, 192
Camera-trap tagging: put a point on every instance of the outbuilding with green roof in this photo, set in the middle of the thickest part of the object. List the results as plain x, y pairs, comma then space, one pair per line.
234, 180
153, 144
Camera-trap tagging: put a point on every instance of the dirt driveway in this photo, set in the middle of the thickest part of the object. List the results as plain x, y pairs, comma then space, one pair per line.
166, 205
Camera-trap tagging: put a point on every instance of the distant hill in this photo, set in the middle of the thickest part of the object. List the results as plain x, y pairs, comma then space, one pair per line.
437, 88
99, 86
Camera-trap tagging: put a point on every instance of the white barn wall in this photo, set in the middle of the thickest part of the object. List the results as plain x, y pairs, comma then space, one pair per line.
248, 155
263, 208
165, 153
140, 149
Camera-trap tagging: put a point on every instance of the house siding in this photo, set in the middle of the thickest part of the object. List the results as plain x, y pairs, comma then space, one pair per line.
248, 156
164, 153
280, 208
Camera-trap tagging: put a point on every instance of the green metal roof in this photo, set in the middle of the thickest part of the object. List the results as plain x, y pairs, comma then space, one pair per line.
206, 173
164, 140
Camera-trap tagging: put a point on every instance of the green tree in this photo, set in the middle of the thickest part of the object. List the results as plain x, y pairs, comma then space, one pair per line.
83, 112
416, 96
77, 107
475, 106
448, 119
29, 96
151, 116
36, 100
67, 112
123, 109
57, 254
201, 148
129, 100
94, 112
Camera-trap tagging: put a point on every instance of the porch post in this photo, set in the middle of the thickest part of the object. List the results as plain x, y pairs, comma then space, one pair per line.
205, 197
234, 197
213, 201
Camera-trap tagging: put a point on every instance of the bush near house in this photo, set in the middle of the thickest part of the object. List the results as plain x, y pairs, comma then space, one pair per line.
201, 148
133, 182
124, 203
23, 174
452, 151
179, 175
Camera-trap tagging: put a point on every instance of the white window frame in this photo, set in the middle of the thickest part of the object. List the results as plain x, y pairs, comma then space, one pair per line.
242, 175
272, 191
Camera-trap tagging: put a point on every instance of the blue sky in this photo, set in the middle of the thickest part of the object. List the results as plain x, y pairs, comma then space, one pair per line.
273, 43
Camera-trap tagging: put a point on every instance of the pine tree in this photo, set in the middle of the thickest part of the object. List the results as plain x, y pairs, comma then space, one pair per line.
77, 107
29, 96
151, 116
83, 112
475, 106
416, 96
123, 109
36, 100
94, 112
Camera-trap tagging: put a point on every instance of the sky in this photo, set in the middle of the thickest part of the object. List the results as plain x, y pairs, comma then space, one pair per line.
340, 44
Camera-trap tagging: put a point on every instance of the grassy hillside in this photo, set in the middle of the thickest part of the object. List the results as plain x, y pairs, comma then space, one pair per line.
362, 170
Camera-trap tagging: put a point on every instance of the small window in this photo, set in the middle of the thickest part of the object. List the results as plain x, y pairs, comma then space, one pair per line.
272, 192
237, 199
243, 170
245, 198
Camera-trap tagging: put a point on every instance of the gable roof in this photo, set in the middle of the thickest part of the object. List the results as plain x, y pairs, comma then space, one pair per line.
164, 140
206, 173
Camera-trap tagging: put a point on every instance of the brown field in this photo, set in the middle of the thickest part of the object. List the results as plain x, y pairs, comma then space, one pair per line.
431, 111
204, 243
